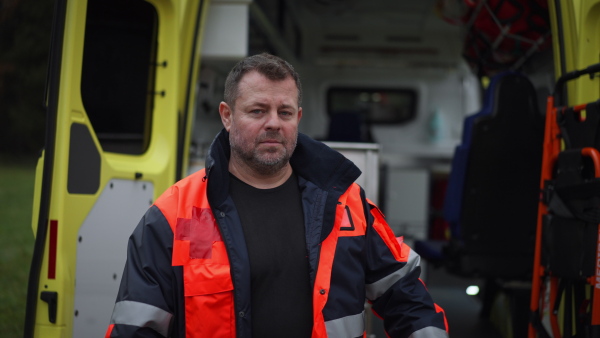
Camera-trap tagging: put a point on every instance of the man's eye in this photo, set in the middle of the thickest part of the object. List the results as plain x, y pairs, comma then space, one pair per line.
256, 111
286, 113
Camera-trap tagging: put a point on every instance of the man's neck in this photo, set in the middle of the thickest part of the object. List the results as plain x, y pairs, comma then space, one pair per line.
250, 177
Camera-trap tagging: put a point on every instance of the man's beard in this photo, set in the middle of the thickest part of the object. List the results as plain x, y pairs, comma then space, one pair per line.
263, 161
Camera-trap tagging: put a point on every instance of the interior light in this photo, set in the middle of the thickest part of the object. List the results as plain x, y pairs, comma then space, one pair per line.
472, 290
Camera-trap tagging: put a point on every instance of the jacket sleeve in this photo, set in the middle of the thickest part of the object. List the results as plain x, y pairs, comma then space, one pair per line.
150, 287
393, 285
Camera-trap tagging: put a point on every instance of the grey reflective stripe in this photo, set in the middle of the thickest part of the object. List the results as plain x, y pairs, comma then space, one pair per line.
142, 315
350, 326
429, 332
375, 290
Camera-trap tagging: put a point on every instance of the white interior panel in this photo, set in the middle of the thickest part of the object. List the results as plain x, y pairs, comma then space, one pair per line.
102, 252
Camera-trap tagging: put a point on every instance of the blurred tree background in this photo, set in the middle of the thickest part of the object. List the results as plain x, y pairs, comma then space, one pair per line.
25, 27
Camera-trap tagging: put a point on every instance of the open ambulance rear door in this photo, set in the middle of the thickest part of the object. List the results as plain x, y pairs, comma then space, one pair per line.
120, 86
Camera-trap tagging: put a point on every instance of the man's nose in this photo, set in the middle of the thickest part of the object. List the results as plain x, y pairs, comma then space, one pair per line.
273, 121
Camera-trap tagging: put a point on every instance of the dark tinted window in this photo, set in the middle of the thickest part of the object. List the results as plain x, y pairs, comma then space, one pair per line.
374, 105
117, 82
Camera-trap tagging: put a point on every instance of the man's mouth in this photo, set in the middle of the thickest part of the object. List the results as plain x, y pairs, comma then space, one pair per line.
270, 142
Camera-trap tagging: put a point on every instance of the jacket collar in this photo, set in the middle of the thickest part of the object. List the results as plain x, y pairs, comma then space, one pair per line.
312, 160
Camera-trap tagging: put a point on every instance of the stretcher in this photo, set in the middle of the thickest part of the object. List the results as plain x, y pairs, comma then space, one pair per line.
565, 296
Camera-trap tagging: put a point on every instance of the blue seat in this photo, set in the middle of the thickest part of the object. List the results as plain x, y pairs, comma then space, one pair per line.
456, 181
493, 187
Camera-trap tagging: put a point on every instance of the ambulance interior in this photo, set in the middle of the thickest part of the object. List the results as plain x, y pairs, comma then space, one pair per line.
389, 83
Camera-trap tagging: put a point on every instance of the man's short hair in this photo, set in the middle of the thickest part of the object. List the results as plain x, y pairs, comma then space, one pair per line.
272, 67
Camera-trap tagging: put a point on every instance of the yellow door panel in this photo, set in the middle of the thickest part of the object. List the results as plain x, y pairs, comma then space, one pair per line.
119, 83
575, 27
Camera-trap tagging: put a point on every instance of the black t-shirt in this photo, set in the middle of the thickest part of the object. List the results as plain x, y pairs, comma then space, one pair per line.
273, 224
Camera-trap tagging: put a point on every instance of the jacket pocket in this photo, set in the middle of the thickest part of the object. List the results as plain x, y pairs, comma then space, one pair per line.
208, 290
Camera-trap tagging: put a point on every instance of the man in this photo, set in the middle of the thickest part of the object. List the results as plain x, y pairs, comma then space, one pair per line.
272, 239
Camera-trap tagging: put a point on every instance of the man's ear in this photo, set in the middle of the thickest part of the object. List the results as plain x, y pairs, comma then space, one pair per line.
226, 115
299, 114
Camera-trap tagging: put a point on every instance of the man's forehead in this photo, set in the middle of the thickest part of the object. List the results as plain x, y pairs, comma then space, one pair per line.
255, 75
250, 88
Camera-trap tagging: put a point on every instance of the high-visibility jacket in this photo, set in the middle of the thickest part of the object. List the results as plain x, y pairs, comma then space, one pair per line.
188, 274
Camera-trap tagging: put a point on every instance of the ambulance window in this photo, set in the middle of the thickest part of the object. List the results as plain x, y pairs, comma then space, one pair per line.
374, 105
117, 82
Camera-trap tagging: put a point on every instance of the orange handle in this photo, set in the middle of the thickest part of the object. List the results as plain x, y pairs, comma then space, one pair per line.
595, 156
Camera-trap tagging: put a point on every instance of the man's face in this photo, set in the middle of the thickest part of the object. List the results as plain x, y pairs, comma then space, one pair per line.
263, 128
